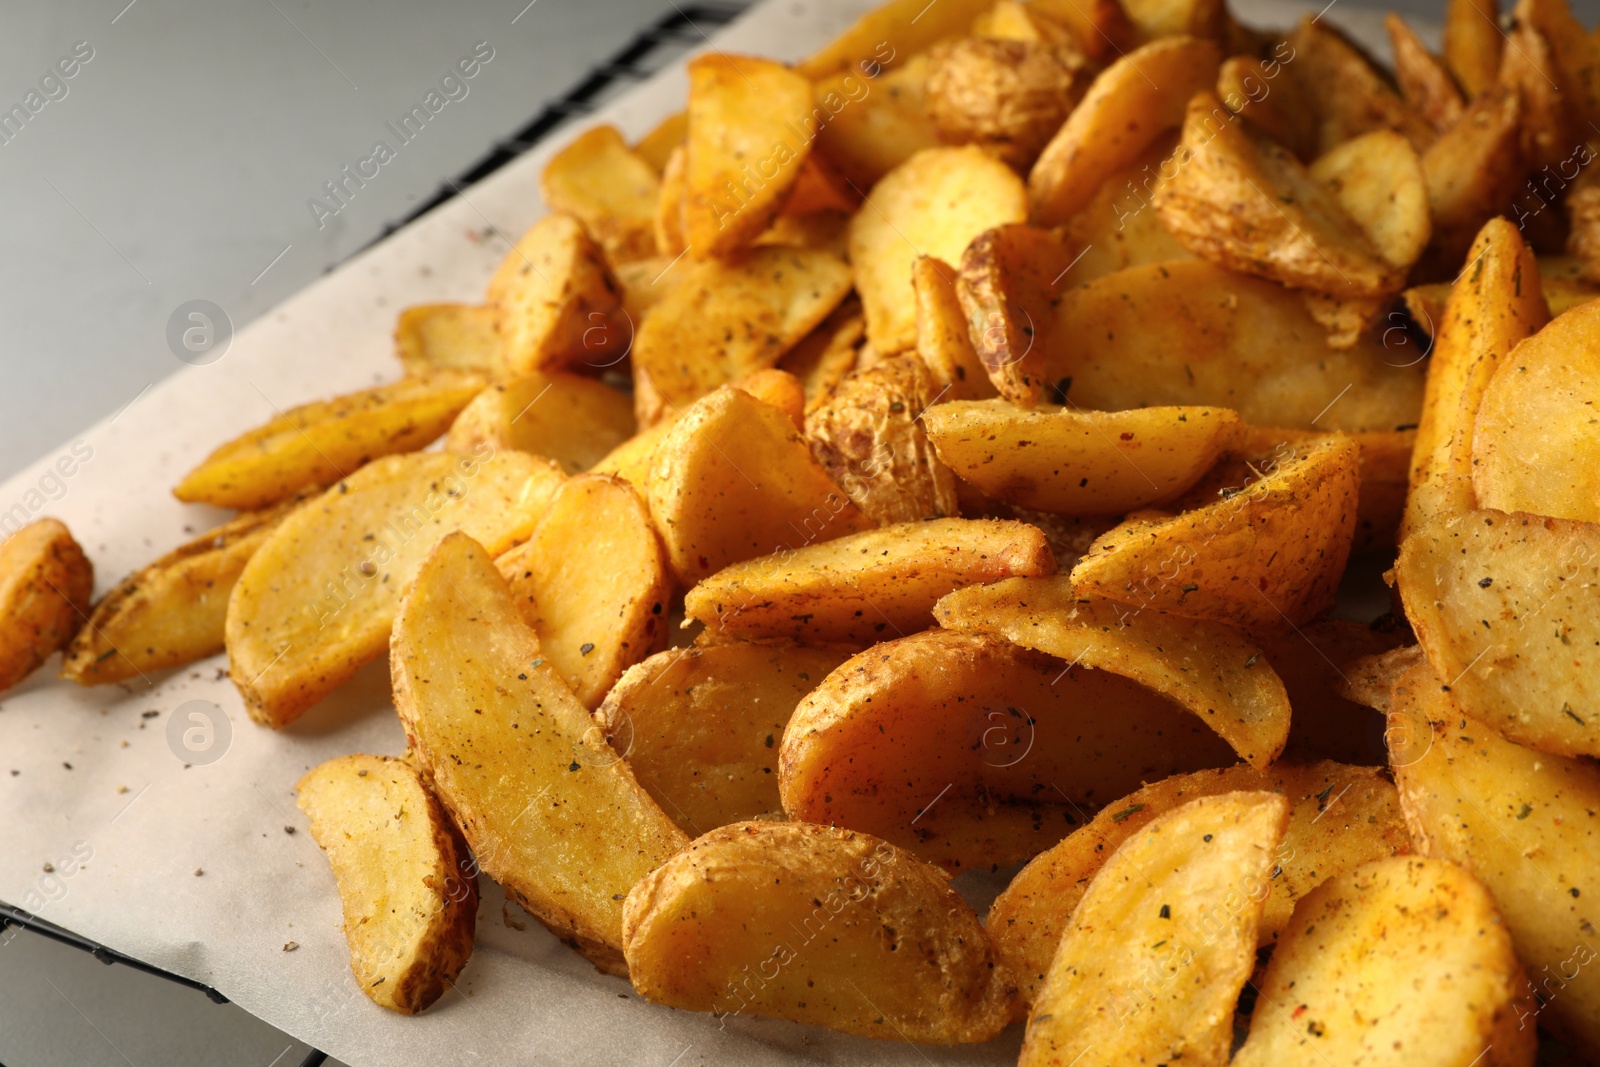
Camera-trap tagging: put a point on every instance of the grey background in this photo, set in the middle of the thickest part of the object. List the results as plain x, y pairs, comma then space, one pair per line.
177, 167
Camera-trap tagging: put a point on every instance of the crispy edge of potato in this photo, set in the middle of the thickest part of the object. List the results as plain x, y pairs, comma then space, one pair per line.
1473, 170
403, 962
942, 338
592, 420
1008, 286
898, 26
46, 581
657, 144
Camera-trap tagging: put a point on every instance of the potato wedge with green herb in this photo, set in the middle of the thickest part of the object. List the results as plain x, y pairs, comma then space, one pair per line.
45, 585
592, 622
700, 726
549, 810
316, 601
555, 300
863, 587
316, 444
612, 190
431, 337
975, 753
408, 885
860, 936
573, 420
170, 612
1339, 817
1152, 962
1206, 668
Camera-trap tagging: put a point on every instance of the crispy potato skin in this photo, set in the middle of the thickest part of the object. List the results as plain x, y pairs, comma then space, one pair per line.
408, 885
912, 29
1347, 962
873, 941
1007, 95
1192, 883
45, 585
1339, 817
1348, 94
1009, 281
172, 611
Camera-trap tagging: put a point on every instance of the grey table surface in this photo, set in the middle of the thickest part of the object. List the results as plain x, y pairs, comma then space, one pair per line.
178, 162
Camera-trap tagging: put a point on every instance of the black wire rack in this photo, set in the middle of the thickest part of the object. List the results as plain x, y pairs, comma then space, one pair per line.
653, 49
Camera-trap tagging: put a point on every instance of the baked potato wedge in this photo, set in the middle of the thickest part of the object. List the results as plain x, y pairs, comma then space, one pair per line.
1378, 181
893, 32
316, 444
1365, 99
1473, 42
315, 602
874, 124
1425, 81
573, 420
46, 581
1472, 171
1006, 95
548, 809
656, 145
1151, 964
407, 883
607, 186
943, 343
431, 337
859, 936
1011, 277
556, 302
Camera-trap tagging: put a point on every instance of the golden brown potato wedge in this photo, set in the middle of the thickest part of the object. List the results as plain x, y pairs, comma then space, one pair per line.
864, 587
1472, 171
1504, 606
1344, 984
1119, 228
1473, 42
1574, 66
573, 420
700, 726
555, 301
975, 753
1206, 668
316, 601
1270, 553
1241, 201
727, 319
45, 585
942, 339
1279, 106
1008, 96
1317, 664
751, 125
1100, 28
407, 883
858, 936
550, 811
316, 444
644, 283
825, 355
667, 225
1339, 818
872, 125
593, 622
733, 480
1080, 462
1150, 967
1525, 823
1154, 19
1496, 303
431, 337
1536, 446
1424, 80
666, 135
1378, 180
1370, 680
1364, 99
893, 32
933, 204
172, 611
1132, 102
1010, 278
869, 437
607, 186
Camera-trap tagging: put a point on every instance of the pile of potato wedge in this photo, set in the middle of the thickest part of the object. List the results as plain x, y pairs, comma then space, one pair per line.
945, 455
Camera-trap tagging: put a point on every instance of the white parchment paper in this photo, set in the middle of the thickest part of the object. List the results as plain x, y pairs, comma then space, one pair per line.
92, 786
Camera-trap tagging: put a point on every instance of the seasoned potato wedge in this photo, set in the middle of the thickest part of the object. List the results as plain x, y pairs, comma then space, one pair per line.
874, 124
1119, 228
933, 204
1473, 170
407, 883
593, 622
671, 242
1133, 101
751, 125
607, 186
1525, 822
550, 812
316, 601
1536, 446
864, 587
1473, 42
1318, 663
1493, 306
1079, 462
1152, 962
892, 32
655, 146
728, 319
700, 726
316, 444
1100, 28
1271, 552
1279, 106
869, 437
1424, 80
1008, 96
825, 355
1339, 818
1010, 278
170, 612
45, 585
1384, 462
943, 343
1378, 180
1344, 984
975, 753
555, 301
431, 337
867, 939
1239, 200
733, 480
573, 420
1209, 669
1364, 99
1504, 606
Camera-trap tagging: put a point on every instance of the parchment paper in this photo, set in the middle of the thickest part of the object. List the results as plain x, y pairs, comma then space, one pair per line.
94, 784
